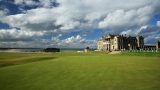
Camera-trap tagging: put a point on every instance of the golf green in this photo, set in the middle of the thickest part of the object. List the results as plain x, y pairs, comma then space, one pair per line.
79, 71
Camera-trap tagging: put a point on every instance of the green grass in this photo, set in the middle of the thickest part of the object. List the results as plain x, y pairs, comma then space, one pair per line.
80, 71
147, 54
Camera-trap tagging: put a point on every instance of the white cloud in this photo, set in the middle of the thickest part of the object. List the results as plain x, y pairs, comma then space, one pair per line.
79, 42
18, 1
26, 2
127, 19
129, 32
158, 23
70, 25
73, 42
120, 16
143, 30
71, 14
47, 3
56, 39
18, 35
93, 16
3, 13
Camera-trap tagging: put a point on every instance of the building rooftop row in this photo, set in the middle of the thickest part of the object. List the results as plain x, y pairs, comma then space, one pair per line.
118, 35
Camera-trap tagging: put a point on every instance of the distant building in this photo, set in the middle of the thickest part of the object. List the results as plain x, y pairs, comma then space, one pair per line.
152, 46
51, 50
149, 47
158, 45
111, 42
86, 49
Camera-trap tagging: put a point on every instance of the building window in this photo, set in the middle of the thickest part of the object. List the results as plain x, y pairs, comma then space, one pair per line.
112, 42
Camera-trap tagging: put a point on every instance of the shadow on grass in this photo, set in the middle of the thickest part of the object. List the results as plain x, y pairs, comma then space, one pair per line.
25, 61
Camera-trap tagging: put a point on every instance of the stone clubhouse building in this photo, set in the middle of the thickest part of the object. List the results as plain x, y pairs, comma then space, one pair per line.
111, 42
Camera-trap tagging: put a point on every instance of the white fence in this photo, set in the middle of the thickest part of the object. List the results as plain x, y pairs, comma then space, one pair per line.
158, 51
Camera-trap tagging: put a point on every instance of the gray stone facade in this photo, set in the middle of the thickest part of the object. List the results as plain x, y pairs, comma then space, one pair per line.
111, 42
158, 45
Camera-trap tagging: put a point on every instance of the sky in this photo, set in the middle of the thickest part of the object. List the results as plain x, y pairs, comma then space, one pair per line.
75, 23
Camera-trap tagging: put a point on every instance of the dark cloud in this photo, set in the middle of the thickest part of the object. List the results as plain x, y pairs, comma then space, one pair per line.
150, 30
42, 26
152, 39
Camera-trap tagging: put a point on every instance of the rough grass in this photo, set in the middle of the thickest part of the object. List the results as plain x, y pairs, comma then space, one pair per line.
80, 71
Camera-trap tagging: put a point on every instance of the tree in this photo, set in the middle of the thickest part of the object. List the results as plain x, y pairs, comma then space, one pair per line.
87, 48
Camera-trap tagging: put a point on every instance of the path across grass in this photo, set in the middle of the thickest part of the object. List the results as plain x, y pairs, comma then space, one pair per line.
80, 71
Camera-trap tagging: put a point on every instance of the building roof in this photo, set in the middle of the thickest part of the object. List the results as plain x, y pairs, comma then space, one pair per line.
117, 35
149, 45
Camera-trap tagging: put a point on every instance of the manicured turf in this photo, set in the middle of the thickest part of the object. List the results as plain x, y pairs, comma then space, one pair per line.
79, 71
